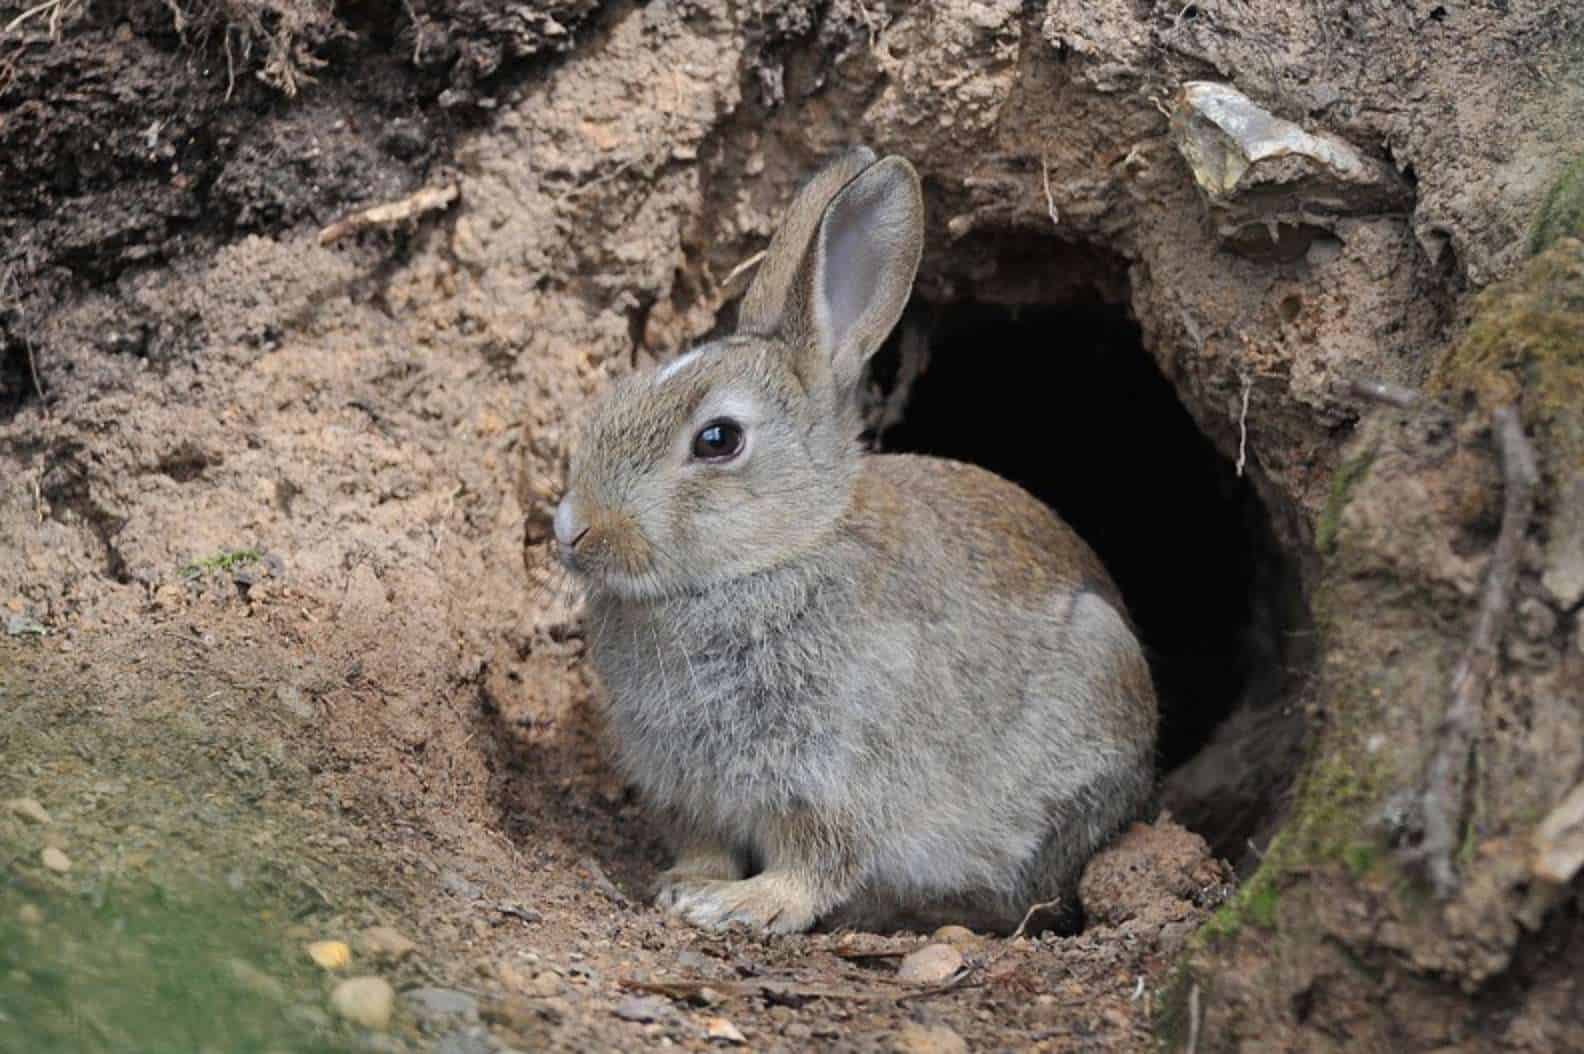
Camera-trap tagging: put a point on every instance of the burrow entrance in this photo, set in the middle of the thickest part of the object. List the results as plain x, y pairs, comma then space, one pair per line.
1047, 383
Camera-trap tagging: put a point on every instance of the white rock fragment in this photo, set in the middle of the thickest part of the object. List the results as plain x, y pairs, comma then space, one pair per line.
721, 1030
930, 964
28, 809
1222, 133
366, 1001
1271, 185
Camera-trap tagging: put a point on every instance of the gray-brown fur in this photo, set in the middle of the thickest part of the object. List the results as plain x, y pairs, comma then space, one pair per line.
900, 687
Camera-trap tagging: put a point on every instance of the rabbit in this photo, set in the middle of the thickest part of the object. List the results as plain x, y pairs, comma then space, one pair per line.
877, 690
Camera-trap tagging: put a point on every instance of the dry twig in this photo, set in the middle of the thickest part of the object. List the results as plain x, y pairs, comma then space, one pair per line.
429, 199
1445, 787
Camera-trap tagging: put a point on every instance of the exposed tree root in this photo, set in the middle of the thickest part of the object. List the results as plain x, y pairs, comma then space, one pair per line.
1441, 800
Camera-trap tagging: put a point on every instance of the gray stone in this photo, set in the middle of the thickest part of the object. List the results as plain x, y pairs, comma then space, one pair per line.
440, 1002
642, 1008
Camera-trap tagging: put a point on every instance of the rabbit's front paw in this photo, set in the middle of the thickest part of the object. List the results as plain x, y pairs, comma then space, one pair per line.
768, 903
695, 866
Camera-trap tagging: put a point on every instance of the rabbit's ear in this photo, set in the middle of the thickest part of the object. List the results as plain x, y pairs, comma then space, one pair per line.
764, 306
861, 266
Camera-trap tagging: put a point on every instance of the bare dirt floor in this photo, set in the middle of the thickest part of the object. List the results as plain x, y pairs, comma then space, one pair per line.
298, 747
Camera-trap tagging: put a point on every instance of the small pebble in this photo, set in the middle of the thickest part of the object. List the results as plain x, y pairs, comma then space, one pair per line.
55, 860
330, 955
642, 1008
366, 1001
929, 1039
957, 936
382, 942
722, 1031
930, 964
28, 809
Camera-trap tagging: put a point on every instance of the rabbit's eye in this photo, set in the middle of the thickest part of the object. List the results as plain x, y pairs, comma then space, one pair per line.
718, 441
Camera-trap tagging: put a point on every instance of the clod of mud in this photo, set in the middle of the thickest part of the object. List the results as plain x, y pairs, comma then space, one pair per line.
1156, 875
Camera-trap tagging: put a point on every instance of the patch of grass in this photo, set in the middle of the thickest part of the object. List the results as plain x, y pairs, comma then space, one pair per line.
1255, 903
1561, 215
169, 933
147, 967
225, 561
1348, 475
1361, 858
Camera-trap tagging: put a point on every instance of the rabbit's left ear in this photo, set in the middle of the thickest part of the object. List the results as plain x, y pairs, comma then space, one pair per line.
860, 268
765, 307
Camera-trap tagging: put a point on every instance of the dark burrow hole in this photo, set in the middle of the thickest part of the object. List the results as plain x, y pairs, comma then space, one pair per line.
1065, 401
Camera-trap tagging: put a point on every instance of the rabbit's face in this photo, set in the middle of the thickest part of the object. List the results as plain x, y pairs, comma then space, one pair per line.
717, 465
741, 455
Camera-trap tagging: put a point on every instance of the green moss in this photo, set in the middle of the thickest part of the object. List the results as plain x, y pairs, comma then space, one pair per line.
225, 561
1347, 476
1254, 904
1526, 346
1361, 858
1561, 215
1333, 800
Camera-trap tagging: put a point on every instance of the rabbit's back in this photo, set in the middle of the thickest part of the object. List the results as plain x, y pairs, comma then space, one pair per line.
1029, 702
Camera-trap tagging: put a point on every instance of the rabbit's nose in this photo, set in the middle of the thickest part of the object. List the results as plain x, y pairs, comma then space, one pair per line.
569, 526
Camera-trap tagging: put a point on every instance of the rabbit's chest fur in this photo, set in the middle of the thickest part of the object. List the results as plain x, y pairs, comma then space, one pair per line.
724, 702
